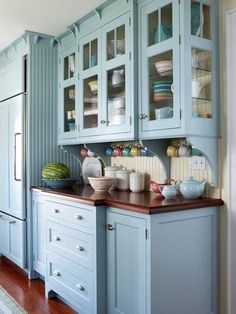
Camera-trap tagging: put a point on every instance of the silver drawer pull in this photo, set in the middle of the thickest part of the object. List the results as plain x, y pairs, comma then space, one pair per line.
56, 211
57, 273
56, 238
80, 287
79, 217
80, 248
109, 227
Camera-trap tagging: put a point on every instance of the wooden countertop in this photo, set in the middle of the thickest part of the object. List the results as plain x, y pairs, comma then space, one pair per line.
144, 202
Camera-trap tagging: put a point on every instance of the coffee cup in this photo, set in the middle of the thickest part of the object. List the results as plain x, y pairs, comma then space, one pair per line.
172, 151
84, 152
184, 150
135, 151
109, 151
117, 151
196, 88
126, 152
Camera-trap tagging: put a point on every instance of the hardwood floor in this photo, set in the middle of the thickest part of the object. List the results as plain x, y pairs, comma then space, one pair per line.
28, 293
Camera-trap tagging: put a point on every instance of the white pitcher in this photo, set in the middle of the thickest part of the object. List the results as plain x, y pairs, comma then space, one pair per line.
118, 77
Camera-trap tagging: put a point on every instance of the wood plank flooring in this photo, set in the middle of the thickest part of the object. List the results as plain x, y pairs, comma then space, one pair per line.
29, 293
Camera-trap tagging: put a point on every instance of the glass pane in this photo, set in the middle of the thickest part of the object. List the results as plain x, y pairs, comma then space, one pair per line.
201, 83
69, 108
69, 66
161, 86
91, 102
120, 40
94, 53
116, 96
160, 25
206, 21
111, 45
153, 22
165, 29
195, 18
86, 54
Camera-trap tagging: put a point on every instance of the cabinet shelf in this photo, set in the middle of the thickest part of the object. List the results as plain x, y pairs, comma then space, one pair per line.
198, 72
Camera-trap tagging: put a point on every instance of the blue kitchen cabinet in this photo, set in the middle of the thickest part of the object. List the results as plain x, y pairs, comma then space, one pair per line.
68, 88
76, 254
39, 233
178, 69
126, 263
105, 77
164, 263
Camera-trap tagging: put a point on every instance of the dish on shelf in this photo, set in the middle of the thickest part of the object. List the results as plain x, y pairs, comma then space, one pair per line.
91, 167
165, 31
120, 47
90, 112
60, 183
163, 97
164, 68
93, 86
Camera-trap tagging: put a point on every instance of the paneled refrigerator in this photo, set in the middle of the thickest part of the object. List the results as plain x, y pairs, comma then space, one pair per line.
12, 179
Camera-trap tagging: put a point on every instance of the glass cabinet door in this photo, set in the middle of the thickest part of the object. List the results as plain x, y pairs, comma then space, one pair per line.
160, 66
67, 128
117, 76
90, 83
201, 83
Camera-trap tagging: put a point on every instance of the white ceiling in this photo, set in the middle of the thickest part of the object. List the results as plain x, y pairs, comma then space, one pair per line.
45, 16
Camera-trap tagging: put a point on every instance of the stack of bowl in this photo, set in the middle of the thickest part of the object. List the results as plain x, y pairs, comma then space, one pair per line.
164, 68
162, 90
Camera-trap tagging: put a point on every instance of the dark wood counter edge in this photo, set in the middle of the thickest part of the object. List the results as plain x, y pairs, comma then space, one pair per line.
152, 209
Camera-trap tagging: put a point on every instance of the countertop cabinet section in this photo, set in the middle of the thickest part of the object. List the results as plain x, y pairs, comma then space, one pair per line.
165, 263
39, 233
75, 254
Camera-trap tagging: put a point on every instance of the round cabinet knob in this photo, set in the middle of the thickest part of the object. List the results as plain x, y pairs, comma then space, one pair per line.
80, 248
56, 211
80, 287
57, 273
57, 238
143, 116
79, 217
109, 227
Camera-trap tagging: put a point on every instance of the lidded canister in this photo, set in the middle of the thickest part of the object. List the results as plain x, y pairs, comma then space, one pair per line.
110, 171
136, 182
123, 179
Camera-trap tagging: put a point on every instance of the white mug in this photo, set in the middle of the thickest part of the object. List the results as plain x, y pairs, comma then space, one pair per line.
184, 150
196, 88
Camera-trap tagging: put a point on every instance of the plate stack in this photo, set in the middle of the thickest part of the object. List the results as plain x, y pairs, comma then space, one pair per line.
164, 68
162, 90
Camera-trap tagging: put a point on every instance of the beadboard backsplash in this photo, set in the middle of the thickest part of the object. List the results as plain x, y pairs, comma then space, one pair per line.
153, 170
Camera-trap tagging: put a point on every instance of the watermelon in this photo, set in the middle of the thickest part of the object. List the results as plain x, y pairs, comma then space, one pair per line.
55, 170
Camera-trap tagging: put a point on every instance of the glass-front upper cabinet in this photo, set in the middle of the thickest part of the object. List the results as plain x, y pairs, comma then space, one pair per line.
201, 77
90, 85
67, 92
116, 76
160, 67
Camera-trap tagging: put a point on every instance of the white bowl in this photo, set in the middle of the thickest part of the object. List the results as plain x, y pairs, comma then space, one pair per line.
101, 183
163, 66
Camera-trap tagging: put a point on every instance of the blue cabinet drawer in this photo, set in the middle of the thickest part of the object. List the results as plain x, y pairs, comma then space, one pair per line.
75, 245
80, 217
70, 281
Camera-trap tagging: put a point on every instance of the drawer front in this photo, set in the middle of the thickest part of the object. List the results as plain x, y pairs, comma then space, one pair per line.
75, 215
75, 245
70, 279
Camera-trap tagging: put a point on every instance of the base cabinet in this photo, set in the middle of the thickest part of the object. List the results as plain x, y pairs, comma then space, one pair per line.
127, 269
75, 254
12, 239
164, 263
